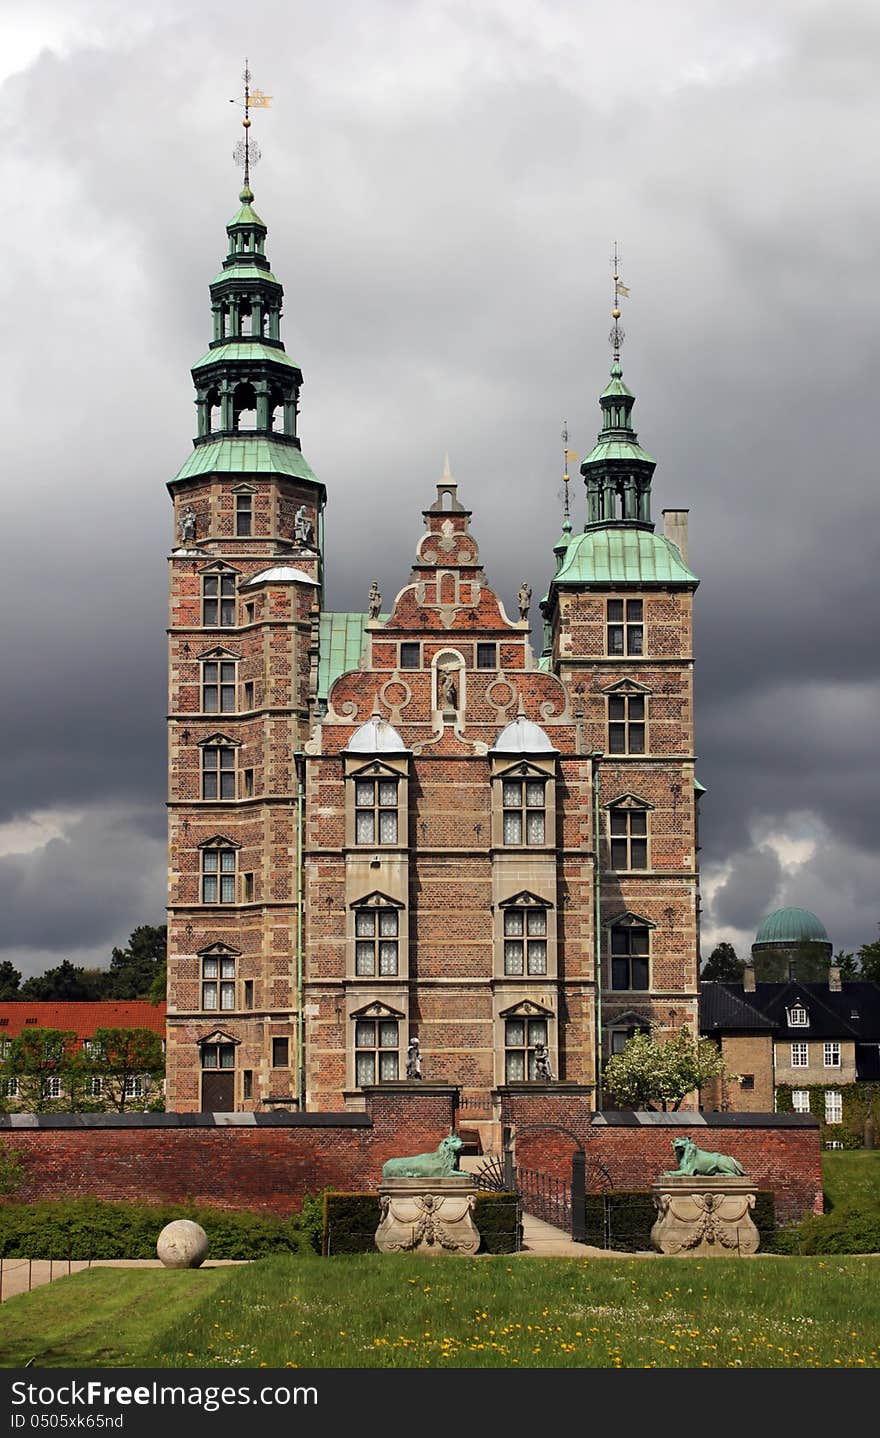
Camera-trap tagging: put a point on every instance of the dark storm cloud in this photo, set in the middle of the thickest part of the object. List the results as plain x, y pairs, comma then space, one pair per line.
441, 188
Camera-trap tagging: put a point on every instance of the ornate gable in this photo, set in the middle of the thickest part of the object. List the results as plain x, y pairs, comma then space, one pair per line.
376, 1010
376, 900
525, 899
527, 1009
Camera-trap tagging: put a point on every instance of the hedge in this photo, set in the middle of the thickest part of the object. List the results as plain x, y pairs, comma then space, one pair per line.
351, 1220
622, 1219
87, 1228
848, 1229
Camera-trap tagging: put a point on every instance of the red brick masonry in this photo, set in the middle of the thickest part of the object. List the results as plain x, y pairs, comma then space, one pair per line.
781, 1152
268, 1162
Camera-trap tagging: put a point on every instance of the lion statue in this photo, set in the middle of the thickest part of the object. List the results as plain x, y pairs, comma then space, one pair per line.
696, 1162
440, 1164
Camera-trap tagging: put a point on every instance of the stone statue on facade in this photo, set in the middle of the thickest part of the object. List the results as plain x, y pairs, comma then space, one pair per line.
188, 525
543, 1070
302, 526
524, 599
447, 688
374, 600
413, 1060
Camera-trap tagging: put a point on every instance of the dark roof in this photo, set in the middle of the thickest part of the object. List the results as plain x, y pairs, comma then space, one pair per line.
851, 1013
723, 1007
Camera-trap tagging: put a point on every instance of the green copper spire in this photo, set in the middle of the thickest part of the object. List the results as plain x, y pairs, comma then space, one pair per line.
617, 471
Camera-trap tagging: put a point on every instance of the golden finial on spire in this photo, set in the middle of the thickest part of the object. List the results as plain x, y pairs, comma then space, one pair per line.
617, 335
247, 151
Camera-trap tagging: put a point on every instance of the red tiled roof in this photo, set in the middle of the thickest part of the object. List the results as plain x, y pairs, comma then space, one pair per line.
83, 1018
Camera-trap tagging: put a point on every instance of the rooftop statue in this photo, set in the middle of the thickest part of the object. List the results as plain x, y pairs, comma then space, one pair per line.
695, 1162
440, 1164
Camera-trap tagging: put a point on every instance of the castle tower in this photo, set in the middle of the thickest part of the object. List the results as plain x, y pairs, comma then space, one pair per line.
245, 585
618, 633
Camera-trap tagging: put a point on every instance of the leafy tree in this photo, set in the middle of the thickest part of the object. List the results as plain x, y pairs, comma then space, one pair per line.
869, 955
134, 970
664, 1071
62, 983
41, 1063
123, 1059
848, 965
10, 980
723, 965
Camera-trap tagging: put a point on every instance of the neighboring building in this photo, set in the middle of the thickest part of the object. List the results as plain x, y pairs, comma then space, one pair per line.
383, 824
791, 944
818, 1041
83, 1018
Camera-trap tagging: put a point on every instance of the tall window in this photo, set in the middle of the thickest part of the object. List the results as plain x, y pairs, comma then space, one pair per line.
244, 515
832, 1056
626, 723
280, 1053
525, 941
218, 876
218, 981
375, 1050
376, 939
218, 600
53, 1087
621, 1037
800, 1057
375, 811
629, 838
629, 957
833, 1106
624, 626
521, 1037
218, 772
218, 687
800, 1100
798, 1018
524, 811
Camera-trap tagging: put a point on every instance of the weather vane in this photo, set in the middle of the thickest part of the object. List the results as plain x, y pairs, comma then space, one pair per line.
247, 151
617, 335
568, 456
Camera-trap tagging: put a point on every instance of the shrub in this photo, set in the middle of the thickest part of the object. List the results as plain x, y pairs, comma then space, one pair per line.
848, 1229
89, 1228
622, 1220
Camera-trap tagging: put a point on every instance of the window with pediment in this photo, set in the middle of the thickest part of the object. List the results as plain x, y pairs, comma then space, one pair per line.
627, 718
377, 934
526, 1028
376, 1044
218, 599
525, 810
218, 871
628, 833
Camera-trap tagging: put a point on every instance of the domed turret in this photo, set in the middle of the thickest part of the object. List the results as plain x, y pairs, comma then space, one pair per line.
791, 944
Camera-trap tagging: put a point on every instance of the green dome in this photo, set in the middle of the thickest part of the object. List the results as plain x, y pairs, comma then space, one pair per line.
791, 926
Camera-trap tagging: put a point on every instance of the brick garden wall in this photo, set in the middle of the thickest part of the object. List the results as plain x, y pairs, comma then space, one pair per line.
262, 1162
781, 1152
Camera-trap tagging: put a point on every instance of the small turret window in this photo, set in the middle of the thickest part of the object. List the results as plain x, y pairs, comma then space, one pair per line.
245, 321
624, 629
218, 600
244, 515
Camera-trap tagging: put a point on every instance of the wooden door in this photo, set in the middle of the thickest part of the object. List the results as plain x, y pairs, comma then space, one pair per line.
218, 1091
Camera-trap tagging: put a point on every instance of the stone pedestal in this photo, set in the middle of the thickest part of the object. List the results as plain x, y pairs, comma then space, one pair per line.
427, 1215
707, 1217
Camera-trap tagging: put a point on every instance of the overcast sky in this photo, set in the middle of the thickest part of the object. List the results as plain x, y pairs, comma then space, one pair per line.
442, 183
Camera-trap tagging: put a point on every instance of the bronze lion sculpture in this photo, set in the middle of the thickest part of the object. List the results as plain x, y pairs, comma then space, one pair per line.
440, 1164
696, 1162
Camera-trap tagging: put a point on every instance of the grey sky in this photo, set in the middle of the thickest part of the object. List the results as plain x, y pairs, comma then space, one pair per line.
442, 184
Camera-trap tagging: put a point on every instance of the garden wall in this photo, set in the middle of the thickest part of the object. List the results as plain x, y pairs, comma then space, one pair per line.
626, 1150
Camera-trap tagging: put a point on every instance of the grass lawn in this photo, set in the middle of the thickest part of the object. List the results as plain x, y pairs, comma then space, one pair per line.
458, 1313
851, 1178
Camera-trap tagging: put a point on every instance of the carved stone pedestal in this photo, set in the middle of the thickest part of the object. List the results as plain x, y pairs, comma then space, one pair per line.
707, 1217
427, 1215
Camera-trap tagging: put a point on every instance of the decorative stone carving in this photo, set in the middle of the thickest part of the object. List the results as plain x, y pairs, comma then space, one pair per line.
374, 600
705, 1217
427, 1216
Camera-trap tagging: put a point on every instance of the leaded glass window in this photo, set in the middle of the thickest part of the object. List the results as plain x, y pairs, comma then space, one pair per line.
521, 1037
375, 1050
376, 936
525, 941
218, 981
524, 802
375, 811
218, 876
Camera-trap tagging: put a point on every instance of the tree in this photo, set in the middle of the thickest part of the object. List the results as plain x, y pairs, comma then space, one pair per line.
869, 956
123, 1059
134, 970
723, 965
40, 1063
64, 982
848, 965
10, 980
663, 1071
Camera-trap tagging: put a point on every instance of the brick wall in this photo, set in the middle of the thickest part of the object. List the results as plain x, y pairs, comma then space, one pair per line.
267, 1164
780, 1151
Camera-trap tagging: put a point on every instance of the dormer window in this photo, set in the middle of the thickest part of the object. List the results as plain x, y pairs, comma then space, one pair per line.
798, 1018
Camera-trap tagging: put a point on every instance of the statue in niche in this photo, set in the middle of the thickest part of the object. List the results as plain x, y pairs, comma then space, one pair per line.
302, 526
188, 525
413, 1060
447, 688
374, 600
524, 599
543, 1071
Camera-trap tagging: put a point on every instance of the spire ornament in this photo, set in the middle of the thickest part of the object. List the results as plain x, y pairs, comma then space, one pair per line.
247, 151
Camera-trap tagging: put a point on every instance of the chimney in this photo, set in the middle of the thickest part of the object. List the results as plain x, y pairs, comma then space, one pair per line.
749, 979
834, 979
675, 528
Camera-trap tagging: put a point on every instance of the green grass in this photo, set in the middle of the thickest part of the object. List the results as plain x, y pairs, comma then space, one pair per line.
398, 1311
851, 1178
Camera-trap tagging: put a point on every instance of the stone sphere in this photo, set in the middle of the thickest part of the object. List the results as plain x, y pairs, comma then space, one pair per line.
182, 1244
